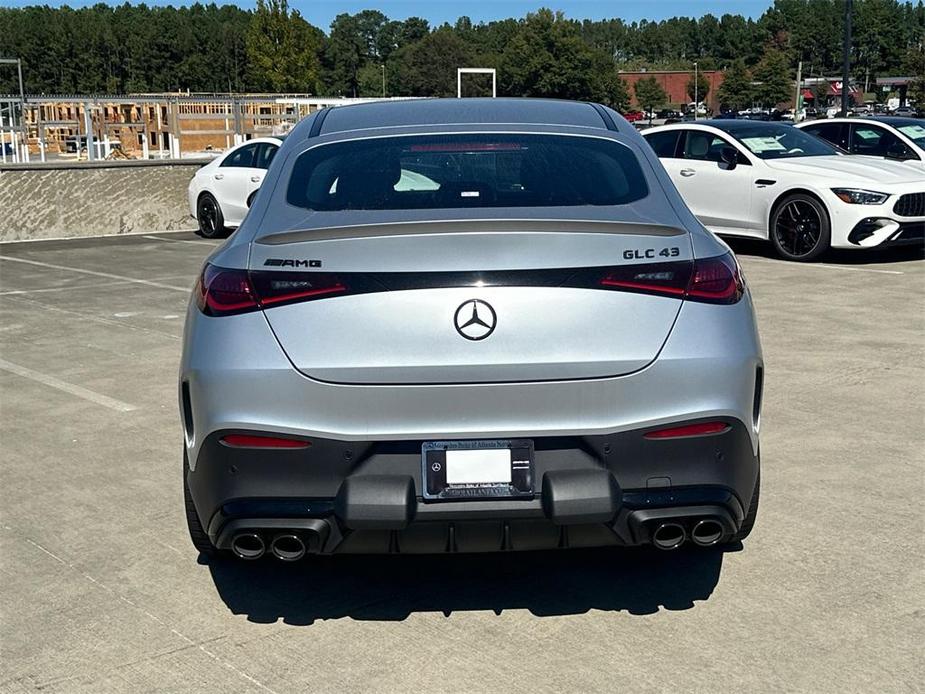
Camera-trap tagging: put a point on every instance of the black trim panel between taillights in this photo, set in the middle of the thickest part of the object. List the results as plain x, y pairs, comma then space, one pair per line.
223, 291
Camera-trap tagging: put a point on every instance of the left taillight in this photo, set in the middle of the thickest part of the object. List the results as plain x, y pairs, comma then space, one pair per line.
278, 288
223, 291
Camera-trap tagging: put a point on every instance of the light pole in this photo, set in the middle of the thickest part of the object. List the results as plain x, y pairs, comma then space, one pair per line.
696, 91
846, 59
383, 79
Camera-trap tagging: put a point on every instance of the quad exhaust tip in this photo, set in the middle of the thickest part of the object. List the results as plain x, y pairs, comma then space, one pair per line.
707, 532
248, 546
669, 536
287, 547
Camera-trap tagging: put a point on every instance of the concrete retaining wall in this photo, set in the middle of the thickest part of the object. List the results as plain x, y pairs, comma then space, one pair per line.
93, 198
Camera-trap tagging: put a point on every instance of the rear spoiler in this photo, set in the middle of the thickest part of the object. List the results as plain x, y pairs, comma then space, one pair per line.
457, 226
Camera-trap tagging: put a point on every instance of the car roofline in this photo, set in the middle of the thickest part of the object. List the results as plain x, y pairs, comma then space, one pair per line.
682, 126
316, 124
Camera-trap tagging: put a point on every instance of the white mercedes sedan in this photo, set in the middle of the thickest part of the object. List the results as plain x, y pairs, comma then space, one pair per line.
222, 190
772, 181
888, 137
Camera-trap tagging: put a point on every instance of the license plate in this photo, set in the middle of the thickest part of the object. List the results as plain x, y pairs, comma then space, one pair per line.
477, 469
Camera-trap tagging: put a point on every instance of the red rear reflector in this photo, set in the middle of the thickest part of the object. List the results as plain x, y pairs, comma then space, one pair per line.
701, 429
255, 441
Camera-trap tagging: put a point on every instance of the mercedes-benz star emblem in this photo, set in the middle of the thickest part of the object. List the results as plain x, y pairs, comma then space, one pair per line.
475, 319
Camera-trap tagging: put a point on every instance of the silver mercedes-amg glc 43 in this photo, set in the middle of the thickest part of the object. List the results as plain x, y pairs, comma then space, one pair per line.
468, 325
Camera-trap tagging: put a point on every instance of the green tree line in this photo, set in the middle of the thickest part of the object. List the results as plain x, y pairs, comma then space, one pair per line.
211, 48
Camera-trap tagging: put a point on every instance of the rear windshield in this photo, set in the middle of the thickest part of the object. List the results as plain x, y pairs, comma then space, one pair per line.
457, 171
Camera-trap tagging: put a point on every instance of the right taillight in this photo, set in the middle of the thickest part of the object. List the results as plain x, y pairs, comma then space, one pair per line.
716, 280
666, 279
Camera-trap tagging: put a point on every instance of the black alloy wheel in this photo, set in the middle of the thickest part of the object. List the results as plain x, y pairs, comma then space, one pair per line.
800, 228
211, 220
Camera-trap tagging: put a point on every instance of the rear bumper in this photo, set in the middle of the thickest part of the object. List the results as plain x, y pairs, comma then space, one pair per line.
365, 497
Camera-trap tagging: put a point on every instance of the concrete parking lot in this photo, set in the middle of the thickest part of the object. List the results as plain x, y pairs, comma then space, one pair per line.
102, 591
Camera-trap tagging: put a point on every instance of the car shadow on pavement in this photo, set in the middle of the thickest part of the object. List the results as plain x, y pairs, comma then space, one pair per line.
835, 256
390, 588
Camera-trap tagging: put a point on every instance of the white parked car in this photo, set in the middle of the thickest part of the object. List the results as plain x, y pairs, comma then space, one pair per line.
773, 181
701, 108
222, 190
902, 139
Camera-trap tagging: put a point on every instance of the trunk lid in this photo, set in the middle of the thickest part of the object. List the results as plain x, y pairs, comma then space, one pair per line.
473, 301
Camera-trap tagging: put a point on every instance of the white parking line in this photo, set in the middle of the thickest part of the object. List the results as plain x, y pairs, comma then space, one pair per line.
13, 292
134, 280
83, 316
199, 243
748, 259
79, 391
190, 643
100, 236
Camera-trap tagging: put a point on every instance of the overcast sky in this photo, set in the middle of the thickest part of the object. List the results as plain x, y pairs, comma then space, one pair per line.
320, 13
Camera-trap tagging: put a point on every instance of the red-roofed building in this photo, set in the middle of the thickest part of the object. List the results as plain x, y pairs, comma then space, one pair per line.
833, 94
674, 82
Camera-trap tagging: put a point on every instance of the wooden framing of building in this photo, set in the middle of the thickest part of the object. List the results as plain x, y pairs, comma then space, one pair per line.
145, 126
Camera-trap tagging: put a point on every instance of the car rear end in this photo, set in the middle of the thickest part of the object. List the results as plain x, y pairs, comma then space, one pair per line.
532, 345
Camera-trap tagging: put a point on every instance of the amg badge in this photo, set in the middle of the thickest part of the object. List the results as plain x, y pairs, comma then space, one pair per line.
289, 262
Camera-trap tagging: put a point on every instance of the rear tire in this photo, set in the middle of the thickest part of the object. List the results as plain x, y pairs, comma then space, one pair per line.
751, 516
211, 219
199, 536
800, 228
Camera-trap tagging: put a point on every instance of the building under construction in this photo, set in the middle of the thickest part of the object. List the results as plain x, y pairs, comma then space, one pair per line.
145, 126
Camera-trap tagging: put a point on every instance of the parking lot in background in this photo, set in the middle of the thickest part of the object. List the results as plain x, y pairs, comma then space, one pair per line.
106, 594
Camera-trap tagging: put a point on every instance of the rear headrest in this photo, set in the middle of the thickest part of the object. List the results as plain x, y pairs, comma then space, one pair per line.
368, 182
698, 144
